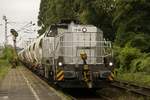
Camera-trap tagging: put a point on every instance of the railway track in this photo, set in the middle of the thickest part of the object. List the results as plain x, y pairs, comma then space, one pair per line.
75, 94
139, 90
80, 94
83, 94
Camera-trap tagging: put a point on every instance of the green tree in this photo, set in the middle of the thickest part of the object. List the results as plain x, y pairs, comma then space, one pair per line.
131, 16
125, 56
52, 11
132, 23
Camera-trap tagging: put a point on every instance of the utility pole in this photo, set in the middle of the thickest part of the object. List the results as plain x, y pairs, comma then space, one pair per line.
6, 22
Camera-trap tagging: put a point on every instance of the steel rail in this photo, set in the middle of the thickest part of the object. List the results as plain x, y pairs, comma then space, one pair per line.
101, 97
136, 89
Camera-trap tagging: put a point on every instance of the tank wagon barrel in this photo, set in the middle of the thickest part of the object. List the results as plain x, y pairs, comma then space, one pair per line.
71, 55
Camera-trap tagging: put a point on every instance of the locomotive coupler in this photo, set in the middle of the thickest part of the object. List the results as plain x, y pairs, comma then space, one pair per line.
86, 70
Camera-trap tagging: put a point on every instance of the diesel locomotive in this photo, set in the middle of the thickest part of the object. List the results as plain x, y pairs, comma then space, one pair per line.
71, 55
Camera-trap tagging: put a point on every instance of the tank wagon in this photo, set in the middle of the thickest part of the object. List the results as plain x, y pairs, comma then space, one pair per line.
71, 55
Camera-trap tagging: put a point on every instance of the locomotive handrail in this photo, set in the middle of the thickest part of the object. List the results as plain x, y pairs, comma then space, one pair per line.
85, 46
61, 34
102, 43
90, 57
87, 41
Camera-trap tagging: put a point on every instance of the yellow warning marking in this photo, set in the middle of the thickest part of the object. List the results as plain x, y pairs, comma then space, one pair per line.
60, 73
86, 67
110, 78
61, 78
112, 75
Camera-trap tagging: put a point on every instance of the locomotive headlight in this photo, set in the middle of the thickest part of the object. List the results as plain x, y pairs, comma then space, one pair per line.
60, 64
84, 29
110, 64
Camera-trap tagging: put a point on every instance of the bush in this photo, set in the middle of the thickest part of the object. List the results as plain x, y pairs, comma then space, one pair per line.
8, 54
141, 64
124, 57
4, 68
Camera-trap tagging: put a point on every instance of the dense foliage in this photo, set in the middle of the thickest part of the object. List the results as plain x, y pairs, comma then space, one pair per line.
132, 22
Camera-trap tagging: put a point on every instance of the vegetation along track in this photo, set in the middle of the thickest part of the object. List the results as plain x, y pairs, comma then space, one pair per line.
140, 90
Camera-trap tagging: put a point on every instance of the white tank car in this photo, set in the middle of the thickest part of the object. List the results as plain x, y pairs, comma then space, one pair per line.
38, 49
26, 55
20, 55
29, 54
32, 51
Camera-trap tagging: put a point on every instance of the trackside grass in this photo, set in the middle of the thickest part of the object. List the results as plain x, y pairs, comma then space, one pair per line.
139, 78
4, 68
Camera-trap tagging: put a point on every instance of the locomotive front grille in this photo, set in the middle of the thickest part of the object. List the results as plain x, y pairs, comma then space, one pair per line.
105, 74
69, 74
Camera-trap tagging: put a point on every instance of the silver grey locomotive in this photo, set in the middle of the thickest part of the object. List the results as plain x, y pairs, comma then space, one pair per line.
71, 55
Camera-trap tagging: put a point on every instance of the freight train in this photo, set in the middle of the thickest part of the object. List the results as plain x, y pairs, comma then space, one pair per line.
71, 55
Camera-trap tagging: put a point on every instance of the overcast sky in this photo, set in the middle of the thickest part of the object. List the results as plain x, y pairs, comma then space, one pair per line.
19, 11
